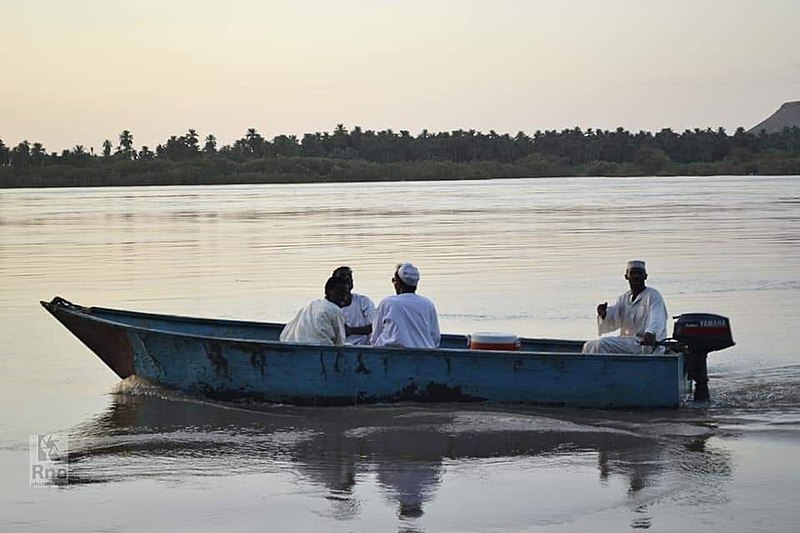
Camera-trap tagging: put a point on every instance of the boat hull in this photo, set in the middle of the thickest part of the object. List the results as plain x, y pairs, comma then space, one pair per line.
243, 360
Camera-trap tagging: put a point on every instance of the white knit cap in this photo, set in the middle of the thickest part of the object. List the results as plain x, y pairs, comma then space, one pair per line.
408, 274
636, 263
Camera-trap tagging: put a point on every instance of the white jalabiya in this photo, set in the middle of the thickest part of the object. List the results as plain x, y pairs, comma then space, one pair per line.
407, 320
647, 313
319, 322
360, 312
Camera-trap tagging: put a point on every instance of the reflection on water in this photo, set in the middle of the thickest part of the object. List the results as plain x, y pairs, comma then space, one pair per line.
402, 452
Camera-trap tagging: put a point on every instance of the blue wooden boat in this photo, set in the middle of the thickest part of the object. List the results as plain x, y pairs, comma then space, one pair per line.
235, 360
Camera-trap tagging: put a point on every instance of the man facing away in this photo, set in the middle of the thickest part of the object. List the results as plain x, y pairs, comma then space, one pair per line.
640, 314
406, 319
358, 310
321, 321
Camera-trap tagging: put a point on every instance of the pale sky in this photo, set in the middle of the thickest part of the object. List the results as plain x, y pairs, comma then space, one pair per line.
80, 71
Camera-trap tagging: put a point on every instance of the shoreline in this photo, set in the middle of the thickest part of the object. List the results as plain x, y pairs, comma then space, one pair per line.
369, 156
290, 170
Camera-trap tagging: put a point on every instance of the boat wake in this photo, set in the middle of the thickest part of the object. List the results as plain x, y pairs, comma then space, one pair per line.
772, 388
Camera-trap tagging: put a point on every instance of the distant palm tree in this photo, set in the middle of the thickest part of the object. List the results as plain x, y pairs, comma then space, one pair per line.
254, 141
38, 153
4, 151
107, 147
21, 154
210, 146
126, 143
192, 141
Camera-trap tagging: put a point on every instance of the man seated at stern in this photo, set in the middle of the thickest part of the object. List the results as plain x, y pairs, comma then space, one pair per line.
358, 310
640, 315
321, 321
406, 319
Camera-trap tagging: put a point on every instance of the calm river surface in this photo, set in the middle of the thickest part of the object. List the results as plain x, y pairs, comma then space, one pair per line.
533, 257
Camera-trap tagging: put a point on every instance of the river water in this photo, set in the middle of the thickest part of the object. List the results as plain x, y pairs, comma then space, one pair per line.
532, 257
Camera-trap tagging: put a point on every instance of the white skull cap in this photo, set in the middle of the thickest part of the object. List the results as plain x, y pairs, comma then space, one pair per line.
636, 263
408, 274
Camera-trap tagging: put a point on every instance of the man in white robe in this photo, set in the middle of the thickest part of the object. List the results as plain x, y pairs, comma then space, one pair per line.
640, 315
406, 319
321, 321
358, 311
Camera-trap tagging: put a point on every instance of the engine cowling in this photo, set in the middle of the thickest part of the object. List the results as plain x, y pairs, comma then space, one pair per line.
703, 332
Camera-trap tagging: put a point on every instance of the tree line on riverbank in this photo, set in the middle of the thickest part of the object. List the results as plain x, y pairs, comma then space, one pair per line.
366, 155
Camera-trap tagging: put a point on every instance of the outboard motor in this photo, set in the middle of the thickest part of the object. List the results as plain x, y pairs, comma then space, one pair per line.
697, 334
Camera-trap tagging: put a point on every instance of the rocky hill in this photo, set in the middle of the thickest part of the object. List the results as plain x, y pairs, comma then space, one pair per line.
787, 116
